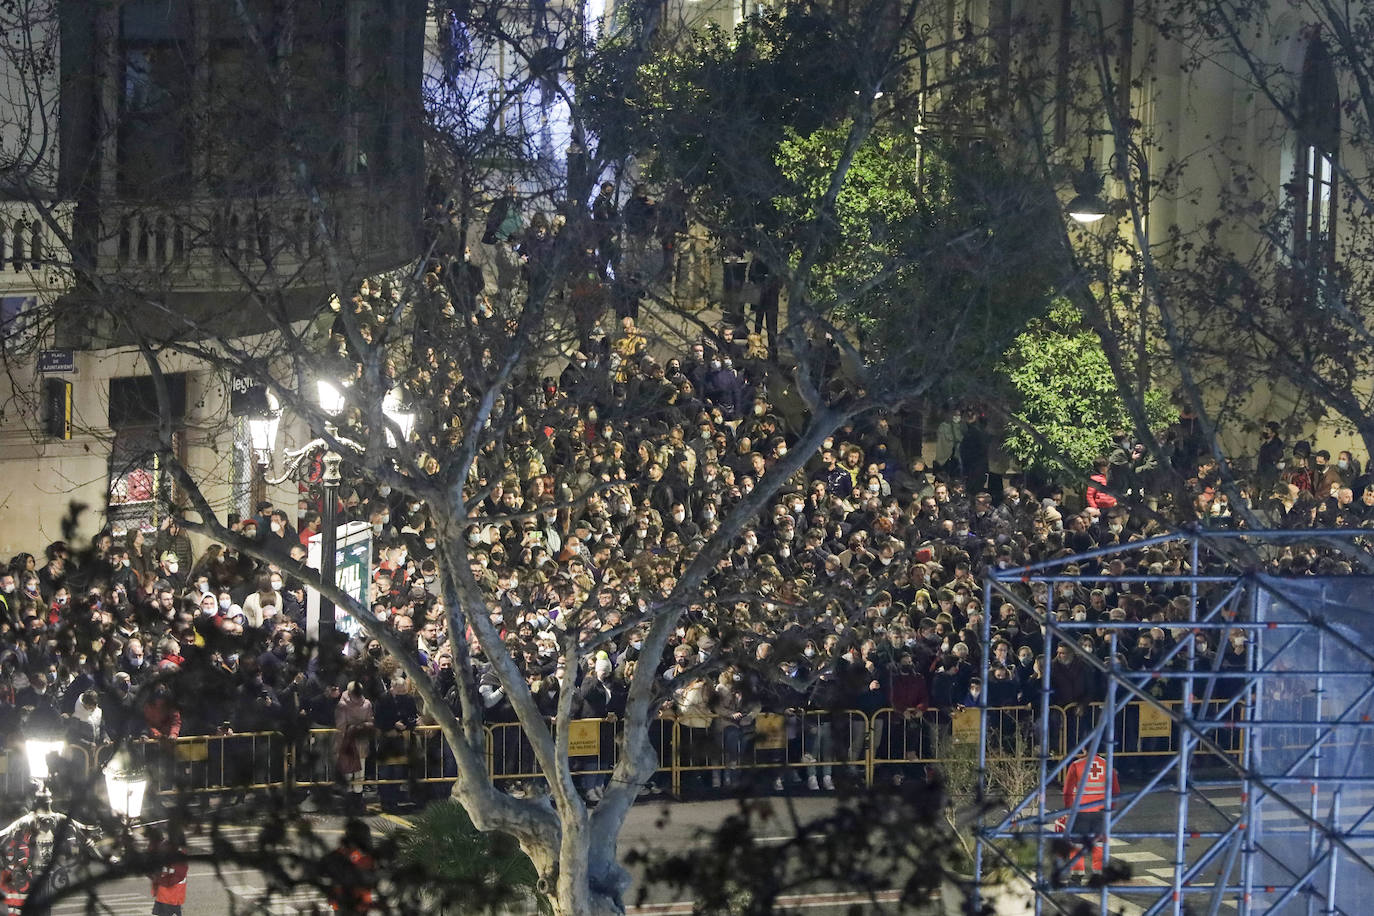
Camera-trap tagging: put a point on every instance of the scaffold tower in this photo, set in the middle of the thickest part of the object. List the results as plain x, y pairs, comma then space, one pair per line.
1247, 778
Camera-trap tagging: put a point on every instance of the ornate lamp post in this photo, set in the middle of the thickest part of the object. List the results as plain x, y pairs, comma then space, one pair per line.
40, 848
125, 786
332, 400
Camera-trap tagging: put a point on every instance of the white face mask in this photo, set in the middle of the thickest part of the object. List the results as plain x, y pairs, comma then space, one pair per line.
173, 567
276, 585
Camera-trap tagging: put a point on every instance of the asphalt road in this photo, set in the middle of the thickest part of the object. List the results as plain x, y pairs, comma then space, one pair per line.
676, 825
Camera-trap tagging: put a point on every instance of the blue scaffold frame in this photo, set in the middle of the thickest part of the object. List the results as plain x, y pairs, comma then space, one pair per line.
1228, 868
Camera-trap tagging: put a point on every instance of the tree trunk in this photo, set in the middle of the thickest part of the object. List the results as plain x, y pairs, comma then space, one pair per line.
577, 885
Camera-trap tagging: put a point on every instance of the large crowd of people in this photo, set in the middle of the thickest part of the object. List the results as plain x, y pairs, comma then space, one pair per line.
859, 587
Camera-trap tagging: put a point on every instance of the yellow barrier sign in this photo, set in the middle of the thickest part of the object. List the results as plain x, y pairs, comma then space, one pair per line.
584, 738
192, 751
966, 724
769, 733
1154, 723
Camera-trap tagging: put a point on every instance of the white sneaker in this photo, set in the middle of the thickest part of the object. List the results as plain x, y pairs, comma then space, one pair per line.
812, 784
777, 784
828, 784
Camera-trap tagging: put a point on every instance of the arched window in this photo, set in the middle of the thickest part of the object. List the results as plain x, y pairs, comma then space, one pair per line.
1319, 138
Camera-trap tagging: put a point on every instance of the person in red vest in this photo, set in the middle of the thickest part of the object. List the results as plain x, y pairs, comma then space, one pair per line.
349, 871
168, 874
1087, 822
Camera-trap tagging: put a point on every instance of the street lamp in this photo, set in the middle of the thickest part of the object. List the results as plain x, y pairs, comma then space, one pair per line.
125, 785
396, 413
262, 431
52, 843
37, 750
1088, 206
331, 398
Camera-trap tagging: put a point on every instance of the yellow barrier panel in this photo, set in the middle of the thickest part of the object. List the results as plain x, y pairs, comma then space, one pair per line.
584, 738
770, 733
965, 725
1154, 723
192, 750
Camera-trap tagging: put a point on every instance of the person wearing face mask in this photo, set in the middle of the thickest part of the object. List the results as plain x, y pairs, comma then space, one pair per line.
633, 646
279, 536
724, 387
265, 602
910, 697
354, 726
170, 570
172, 538
1271, 452
678, 521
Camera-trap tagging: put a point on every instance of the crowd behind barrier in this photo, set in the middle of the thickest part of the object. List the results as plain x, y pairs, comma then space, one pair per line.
858, 587
777, 753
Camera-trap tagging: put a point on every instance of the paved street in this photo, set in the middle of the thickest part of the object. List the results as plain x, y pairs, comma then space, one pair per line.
675, 825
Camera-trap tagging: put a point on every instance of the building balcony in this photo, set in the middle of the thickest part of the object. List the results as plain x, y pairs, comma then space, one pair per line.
217, 244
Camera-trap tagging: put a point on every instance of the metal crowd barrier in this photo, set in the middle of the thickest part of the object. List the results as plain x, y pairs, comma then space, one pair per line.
694, 753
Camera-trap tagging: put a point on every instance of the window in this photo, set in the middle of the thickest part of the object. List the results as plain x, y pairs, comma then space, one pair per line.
140, 487
16, 326
1319, 130
155, 74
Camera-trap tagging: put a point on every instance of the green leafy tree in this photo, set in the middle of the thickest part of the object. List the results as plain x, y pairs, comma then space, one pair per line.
461, 868
1069, 401
795, 149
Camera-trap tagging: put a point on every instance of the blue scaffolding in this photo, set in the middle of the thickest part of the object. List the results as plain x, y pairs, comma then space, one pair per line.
1267, 761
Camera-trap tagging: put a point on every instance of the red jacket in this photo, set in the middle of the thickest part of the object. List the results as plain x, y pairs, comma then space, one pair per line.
1099, 498
908, 691
169, 882
162, 718
351, 890
1094, 780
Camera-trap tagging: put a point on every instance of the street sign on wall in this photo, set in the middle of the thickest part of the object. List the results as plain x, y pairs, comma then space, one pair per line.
352, 574
56, 361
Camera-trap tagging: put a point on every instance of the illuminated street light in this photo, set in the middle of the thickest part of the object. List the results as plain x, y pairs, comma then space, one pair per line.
1088, 206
